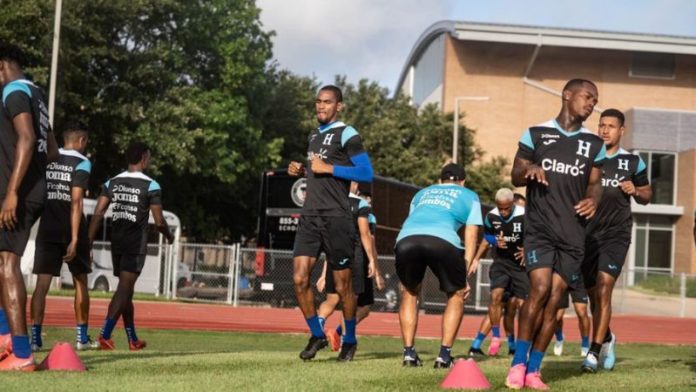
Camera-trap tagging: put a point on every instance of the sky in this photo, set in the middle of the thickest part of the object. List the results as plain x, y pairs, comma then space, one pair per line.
372, 38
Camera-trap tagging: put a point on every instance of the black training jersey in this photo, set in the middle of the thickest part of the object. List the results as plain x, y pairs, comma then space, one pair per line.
359, 209
512, 229
567, 159
22, 96
327, 195
70, 171
131, 195
372, 219
614, 211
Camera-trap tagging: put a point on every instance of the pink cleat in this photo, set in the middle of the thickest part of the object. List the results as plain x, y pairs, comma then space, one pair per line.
494, 347
533, 381
516, 376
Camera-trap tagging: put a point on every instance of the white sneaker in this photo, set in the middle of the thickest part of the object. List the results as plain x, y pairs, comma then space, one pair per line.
608, 355
89, 345
558, 348
584, 351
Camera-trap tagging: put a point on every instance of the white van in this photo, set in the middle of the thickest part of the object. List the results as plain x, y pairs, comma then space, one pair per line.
102, 278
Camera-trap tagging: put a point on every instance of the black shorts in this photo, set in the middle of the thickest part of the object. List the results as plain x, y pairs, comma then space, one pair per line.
15, 241
358, 271
127, 262
48, 259
335, 235
415, 253
510, 276
578, 296
606, 254
563, 259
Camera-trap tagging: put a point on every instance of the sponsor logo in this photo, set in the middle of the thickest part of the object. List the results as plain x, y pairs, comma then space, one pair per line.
613, 266
549, 142
563, 168
550, 136
612, 182
298, 192
343, 262
322, 154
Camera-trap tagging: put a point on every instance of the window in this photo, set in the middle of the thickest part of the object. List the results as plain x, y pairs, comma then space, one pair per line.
653, 242
652, 65
661, 173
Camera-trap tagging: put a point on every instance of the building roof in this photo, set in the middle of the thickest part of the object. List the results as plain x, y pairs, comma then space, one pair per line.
546, 36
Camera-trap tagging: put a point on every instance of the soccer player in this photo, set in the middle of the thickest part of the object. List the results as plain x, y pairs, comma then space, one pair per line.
560, 163
133, 196
429, 238
609, 233
364, 269
335, 158
27, 145
580, 299
504, 226
62, 235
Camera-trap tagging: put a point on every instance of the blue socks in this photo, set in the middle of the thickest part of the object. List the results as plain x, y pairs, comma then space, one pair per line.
585, 343
496, 331
409, 352
480, 337
322, 322
21, 347
36, 334
511, 342
559, 335
4, 326
81, 333
108, 328
339, 330
315, 327
520, 357
535, 359
349, 337
445, 353
130, 332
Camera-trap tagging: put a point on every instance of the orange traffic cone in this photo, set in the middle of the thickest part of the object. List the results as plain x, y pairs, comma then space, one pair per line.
62, 357
465, 375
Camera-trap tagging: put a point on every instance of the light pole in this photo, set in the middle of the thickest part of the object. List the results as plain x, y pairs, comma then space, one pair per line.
54, 60
455, 130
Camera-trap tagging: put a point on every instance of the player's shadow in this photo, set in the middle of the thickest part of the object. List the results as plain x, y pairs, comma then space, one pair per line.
560, 370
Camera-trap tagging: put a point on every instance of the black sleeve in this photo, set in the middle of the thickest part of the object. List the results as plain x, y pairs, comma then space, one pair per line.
80, 179
155, 197
354, 146
106, 192
364, 212
17, 102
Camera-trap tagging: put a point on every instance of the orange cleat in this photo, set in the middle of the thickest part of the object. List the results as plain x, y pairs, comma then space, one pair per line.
333, 338
106, 344
12, 363
5, 346
137, 345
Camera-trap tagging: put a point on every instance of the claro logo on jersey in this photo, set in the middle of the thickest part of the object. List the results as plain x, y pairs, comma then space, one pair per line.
556, 166
612, 182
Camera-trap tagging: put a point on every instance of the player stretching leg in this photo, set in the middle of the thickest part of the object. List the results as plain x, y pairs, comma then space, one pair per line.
27, 144
560, 163
336, 157
133, 196
429, 238
62, 235
609, 233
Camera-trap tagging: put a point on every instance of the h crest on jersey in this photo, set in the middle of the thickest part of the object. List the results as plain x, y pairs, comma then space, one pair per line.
584, 148
623, 164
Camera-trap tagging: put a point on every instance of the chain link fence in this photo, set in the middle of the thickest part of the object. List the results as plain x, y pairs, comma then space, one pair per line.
261, 277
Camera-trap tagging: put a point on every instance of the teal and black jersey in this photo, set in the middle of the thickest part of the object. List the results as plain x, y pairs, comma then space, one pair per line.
131, 195
336, 144
440, 211
567, 159
72, 170
512, 229
22, 96
614, 212
372, 220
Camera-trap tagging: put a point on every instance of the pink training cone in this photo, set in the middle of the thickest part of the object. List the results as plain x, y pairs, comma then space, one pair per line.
465, 375
62, 357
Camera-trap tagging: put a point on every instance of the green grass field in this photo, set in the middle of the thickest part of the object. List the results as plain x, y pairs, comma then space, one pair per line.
212, 361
